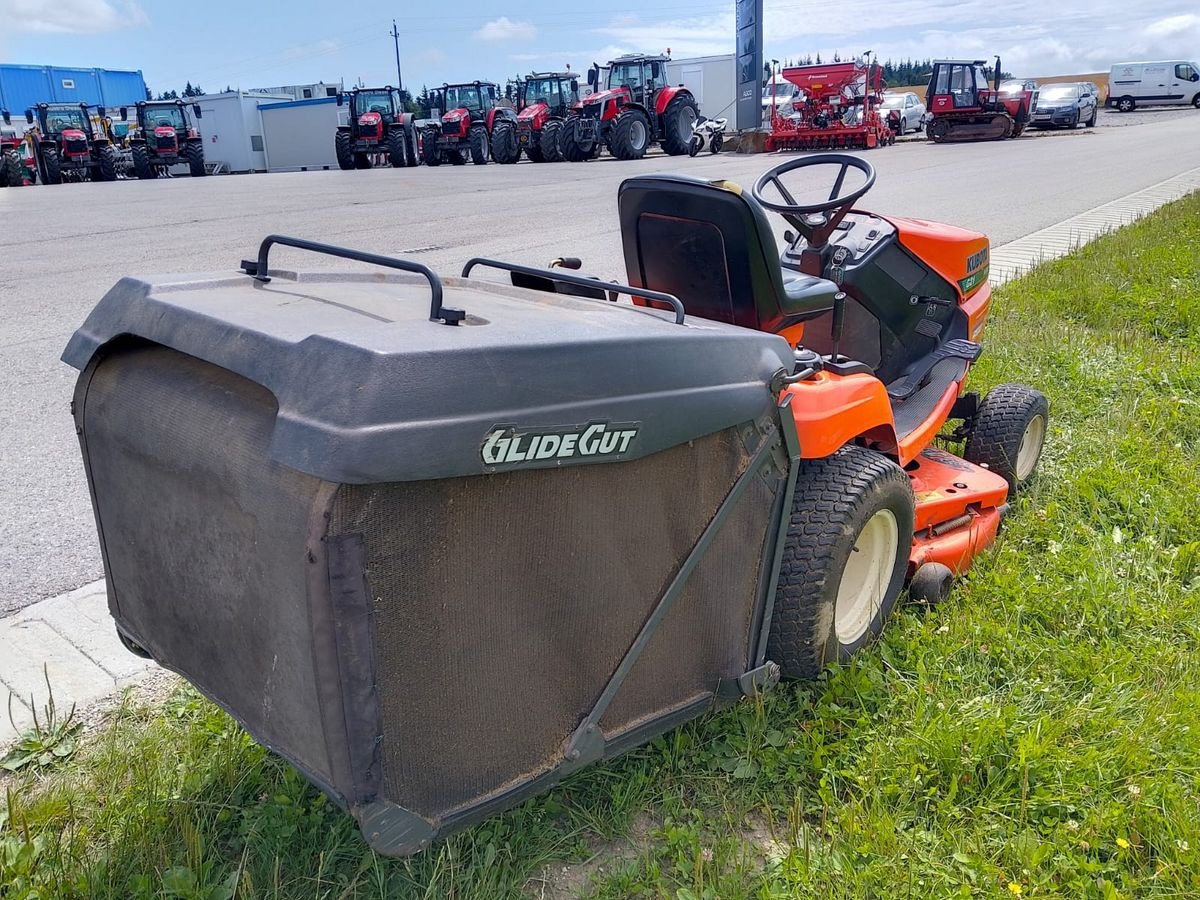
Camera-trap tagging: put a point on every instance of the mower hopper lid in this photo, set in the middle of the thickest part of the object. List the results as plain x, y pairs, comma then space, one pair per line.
368, 389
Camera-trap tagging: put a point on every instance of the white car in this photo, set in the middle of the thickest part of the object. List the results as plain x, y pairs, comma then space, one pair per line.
784, 96
904, 111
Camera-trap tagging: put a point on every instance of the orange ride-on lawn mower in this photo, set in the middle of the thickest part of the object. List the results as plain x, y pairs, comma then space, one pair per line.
443, 542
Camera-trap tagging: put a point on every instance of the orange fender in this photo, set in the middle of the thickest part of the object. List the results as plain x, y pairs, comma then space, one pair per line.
832, 410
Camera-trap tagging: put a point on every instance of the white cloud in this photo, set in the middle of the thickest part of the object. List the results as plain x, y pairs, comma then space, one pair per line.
320, 48
504, 29
1072, 37
71, 16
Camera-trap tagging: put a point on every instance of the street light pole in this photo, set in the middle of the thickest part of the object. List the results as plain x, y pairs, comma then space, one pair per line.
395, 33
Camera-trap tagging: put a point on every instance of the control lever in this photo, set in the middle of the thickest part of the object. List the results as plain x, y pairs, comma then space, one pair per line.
935, 301
839, 319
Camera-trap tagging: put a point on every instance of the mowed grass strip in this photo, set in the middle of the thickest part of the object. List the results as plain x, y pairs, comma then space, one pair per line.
1037, 735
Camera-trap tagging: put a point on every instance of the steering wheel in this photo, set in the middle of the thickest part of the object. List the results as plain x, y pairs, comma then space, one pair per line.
815, 221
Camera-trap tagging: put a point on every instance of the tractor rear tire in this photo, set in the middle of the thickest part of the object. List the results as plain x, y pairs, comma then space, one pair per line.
193, 152
51, 165
630, 135
1009, 432
478, 137
429, 147
341, 147
574, 148
550, 143
10, 169
106, 163
844, 559
143, 167
677, 121
505, 149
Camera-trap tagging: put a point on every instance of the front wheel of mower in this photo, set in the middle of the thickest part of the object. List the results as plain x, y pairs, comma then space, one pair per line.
479, 145
1009, 432
931, 584
844, 559
549, 144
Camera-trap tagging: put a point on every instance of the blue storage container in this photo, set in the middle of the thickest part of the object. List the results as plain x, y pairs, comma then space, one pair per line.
24, 86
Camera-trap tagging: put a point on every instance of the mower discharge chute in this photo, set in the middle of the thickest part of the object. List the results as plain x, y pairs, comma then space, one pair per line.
839, 109
441, 542
377, 132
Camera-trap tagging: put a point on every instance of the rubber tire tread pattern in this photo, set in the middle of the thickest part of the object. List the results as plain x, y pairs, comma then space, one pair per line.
572, 149
10, 169
478, 138
397, 151
52, 166
429, 146
620, 144
672, 142
550, 143
194, 153
341, 149
999, 427
505, 149
829, 492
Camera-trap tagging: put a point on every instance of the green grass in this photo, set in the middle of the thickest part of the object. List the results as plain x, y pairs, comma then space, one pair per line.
1038, 734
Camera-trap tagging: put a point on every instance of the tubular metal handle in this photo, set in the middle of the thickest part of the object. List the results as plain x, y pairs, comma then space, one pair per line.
559, 275
437, 312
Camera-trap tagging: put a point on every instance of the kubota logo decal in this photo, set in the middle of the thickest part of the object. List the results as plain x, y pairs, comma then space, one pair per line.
975, 260
508, 445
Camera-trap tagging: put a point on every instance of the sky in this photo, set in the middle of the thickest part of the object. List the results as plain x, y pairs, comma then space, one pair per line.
216, 43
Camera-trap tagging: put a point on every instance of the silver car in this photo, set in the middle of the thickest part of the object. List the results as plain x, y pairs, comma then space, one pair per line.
903, 111
1065, 105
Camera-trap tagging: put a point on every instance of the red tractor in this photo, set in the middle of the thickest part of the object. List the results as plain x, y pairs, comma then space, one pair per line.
545, 100
468, 122
636, 108
165, 135
12, 166
378, 130
962, 107
840, 109
68, 145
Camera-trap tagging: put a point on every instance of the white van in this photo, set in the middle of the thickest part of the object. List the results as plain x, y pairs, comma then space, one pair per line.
1164, 83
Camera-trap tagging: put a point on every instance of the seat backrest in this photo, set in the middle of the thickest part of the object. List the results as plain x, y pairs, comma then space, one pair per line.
705, 242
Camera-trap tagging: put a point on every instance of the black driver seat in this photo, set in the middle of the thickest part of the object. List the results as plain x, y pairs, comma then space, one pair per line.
710, 245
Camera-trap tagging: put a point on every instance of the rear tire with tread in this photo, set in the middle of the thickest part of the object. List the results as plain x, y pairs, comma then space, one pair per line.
429, 147
574, 148
10, 169
397, 149
835, 499
1005, 421
677, 121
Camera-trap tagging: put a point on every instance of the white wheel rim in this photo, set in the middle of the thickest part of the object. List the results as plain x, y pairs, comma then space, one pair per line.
866, 577
1031, 447
637, 134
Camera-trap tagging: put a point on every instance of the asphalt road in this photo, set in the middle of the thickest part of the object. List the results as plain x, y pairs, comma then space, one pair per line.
62, 247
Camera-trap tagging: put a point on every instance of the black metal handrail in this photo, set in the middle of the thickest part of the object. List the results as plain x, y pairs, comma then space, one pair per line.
559, 275
437, 312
